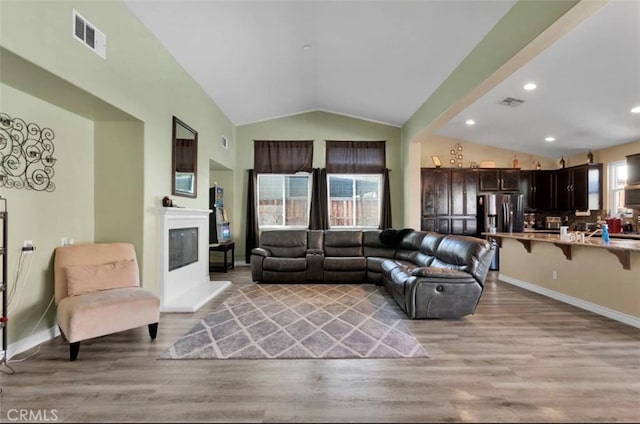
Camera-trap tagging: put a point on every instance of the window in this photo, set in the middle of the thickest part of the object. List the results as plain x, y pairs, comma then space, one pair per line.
283, 200
617, 180
354, 200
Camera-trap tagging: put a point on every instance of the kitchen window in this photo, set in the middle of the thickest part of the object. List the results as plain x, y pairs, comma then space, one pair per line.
617, 181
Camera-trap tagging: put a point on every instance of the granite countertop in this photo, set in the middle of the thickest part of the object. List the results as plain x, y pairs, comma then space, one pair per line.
632, 245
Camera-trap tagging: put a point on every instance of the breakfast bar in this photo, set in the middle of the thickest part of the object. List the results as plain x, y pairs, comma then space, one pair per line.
619, 247
602, 277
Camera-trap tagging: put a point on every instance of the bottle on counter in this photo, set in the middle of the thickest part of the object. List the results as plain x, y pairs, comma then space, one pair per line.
605, 233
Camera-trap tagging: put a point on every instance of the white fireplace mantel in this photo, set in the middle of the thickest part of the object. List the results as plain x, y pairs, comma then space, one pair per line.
187, 288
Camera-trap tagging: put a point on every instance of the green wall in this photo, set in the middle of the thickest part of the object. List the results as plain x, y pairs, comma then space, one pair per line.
318, 126
140, 86
46, 217
118, 182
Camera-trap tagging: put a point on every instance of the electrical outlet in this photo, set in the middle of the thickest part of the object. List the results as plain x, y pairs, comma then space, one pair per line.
28, 247
64, 241
554, 275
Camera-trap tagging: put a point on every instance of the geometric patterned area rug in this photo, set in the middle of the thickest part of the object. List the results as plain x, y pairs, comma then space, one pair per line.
294, 321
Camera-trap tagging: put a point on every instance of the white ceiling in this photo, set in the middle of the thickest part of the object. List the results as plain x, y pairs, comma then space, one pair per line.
588, 81
381, 60
377, 60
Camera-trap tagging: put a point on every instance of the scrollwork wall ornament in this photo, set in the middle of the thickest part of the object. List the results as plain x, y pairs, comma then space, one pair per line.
26, 155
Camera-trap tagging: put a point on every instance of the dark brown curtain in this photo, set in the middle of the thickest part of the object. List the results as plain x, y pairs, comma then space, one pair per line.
355, 157
282, 157
319, 215
185, 154
385, 218
253, 233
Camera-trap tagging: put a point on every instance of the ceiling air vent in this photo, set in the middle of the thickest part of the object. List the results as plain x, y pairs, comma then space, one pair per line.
511, 102
85, 32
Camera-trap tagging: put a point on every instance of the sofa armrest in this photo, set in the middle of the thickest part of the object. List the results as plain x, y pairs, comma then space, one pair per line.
315, 252
442, 275
260, 251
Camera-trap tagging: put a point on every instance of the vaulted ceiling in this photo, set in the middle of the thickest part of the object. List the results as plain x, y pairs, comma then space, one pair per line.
381, 60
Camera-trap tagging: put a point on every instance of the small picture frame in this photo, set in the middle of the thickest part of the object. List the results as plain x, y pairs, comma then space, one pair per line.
436, 161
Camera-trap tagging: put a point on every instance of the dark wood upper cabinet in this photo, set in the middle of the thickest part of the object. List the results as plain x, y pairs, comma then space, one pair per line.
464, 190
525, 187
633, 169
562, 185
498, 179
537, 188
578, 187
542, 185
449, 200
435, 191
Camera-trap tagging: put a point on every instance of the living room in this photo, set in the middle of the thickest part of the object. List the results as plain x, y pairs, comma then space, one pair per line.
112, 123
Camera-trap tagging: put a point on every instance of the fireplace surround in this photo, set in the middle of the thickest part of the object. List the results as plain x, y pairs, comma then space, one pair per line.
185, 288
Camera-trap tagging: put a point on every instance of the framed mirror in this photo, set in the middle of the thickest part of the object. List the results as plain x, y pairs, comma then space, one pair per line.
185, 160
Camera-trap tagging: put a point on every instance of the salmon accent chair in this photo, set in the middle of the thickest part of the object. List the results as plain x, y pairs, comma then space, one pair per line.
97, 292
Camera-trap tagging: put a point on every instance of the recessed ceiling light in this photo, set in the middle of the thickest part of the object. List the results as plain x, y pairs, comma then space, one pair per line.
550, 139
306, 47
635, 109
530, 86
470, 122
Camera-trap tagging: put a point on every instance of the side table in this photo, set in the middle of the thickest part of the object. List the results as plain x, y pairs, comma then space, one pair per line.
222, 247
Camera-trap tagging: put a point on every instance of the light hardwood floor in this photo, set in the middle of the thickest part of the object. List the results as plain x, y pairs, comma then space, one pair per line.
520, 358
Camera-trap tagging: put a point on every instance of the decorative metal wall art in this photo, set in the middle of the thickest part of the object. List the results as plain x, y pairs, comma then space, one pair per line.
26, 155
456, 156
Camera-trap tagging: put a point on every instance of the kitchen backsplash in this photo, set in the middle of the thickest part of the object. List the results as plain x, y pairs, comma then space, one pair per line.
582, 223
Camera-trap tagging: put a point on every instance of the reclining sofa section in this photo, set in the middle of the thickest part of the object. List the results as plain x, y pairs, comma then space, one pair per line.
429, 275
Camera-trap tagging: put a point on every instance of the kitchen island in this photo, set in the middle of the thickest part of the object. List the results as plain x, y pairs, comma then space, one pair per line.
601, 277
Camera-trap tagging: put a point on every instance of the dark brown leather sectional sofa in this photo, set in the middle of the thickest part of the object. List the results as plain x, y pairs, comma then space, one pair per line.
429, 275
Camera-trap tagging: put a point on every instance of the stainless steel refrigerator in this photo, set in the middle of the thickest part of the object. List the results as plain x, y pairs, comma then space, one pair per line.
502, 211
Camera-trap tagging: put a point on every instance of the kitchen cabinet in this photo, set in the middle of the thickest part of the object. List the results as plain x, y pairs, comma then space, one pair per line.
449, 200
542, 186
435, 191
464, 191
578, 187
498, 179
633, 169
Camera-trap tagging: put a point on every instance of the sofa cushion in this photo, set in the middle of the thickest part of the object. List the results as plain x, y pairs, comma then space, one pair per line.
284, 264
409, 249
443, 275
345, 263
83, 279
430, 243
373, 246
285, 243
343, 243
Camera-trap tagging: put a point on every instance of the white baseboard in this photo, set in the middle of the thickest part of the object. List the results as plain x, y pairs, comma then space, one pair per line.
579, 303
32, 341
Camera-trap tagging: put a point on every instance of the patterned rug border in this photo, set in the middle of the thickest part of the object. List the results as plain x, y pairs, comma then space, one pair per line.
301, 321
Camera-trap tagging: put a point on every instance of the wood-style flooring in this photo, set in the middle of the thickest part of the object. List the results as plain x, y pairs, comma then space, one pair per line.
521, 358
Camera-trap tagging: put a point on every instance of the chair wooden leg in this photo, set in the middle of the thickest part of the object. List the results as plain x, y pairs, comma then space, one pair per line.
74, 348
153, 330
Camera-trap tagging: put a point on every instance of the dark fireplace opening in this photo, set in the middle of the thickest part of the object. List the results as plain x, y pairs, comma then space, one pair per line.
183, 247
